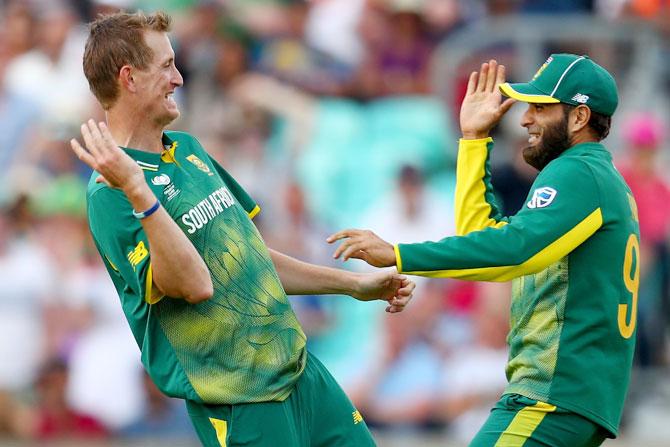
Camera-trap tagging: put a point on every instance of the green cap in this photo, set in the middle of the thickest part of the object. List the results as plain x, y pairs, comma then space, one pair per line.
569, 79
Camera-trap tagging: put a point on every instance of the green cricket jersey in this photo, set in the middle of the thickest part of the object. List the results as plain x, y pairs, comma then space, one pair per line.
574, 251
242, 345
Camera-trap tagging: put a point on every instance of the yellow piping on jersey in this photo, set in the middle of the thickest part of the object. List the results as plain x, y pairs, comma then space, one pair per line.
472, 210
541, 260
151, 294
524, 424
254, 212
398, 259
111, 263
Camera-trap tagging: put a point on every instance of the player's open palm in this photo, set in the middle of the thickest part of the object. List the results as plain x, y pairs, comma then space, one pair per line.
388, 286
102, 153
482, 108
364, 245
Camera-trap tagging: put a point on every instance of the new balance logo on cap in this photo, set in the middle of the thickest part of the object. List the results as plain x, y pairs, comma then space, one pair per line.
582, 99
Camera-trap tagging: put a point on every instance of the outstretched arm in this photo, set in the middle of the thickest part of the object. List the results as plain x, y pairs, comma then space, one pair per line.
301, 278
537, 236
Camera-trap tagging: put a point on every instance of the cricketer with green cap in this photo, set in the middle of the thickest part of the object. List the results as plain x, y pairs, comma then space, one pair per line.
572, 252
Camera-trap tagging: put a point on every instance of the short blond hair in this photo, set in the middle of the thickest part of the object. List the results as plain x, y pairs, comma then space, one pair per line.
116, 40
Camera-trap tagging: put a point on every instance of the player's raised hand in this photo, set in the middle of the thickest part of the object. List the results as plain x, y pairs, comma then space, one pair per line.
388, 286
364, 245
482, 108
102, 153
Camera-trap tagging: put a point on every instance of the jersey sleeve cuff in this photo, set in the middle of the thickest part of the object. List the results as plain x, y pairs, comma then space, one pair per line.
398, 259
465, 143
254, 212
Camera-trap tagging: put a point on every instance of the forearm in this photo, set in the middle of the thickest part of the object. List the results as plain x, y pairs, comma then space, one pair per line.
496, 254
475, 207
301, 278
178, 270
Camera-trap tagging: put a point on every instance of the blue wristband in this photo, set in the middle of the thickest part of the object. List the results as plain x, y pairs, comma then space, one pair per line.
148, 212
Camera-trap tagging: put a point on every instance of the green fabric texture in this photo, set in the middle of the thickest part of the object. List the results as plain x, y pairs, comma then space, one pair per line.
242, 345
572, 80
316, 413
558, 428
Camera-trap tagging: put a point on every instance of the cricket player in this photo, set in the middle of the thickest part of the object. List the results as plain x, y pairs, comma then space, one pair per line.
204, 297
572, 251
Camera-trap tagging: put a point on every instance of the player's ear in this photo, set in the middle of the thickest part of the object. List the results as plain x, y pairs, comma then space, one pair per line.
579, 118
126, 78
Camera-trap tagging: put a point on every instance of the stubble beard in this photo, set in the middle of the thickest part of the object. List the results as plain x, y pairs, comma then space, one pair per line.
166, 119
554, 141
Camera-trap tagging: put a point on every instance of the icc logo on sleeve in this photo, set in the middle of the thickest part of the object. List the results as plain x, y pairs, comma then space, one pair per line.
542, 197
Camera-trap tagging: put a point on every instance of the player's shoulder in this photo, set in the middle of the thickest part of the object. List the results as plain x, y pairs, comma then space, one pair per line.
182, 137
100, 194
569, 168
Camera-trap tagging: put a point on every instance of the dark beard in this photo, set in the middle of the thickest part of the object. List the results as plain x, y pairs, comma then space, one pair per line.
555, 141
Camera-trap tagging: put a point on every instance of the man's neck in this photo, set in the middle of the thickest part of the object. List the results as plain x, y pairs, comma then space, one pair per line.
132, 131
583, 136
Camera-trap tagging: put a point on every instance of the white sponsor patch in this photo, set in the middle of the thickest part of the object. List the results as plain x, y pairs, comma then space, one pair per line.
542, 197
159, 180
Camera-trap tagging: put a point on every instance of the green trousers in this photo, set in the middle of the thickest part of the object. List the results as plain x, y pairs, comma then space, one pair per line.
517, 421
316, 413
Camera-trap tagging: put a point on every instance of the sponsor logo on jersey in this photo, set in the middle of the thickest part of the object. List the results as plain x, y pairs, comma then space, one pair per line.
171, 191
582, 99
162, 179
207, 209
199, 164
357, 417
137, 254
542, 197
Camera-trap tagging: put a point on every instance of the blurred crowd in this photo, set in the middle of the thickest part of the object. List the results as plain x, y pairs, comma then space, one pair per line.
324, 111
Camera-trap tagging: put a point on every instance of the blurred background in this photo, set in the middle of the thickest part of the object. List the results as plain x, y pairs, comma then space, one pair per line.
332, 114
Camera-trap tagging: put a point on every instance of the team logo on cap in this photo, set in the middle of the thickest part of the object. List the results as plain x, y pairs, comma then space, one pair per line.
541, 69
582, 99
542, 197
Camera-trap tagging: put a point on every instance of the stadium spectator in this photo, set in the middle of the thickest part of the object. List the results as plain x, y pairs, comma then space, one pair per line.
644, 136
54, 418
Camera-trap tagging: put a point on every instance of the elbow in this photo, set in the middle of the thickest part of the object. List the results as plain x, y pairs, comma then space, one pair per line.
202, 292
199, 295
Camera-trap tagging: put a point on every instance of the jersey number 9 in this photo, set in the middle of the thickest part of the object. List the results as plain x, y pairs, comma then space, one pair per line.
631, 279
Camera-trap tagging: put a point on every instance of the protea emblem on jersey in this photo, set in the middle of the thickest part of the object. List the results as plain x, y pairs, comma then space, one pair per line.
199, 164
542, 197
541, 69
